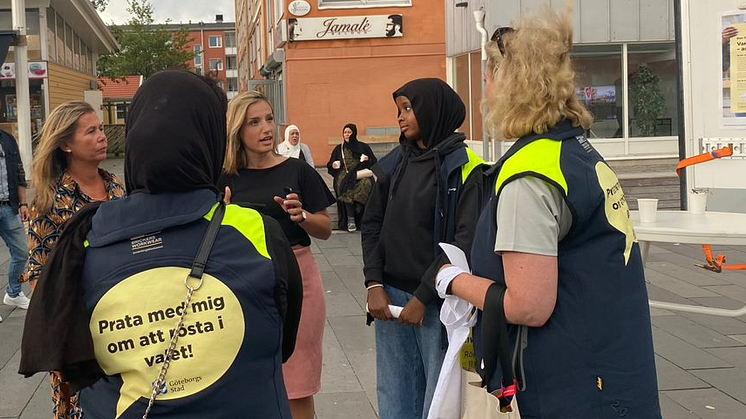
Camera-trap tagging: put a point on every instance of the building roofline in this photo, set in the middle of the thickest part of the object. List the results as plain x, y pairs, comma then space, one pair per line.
89, 13
194, 26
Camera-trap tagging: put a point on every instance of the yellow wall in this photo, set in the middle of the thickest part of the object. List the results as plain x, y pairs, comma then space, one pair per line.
66, 84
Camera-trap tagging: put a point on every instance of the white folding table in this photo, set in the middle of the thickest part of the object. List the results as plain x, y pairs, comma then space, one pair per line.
719, 228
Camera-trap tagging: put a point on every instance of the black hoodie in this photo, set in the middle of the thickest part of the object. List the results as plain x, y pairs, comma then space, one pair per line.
399, 222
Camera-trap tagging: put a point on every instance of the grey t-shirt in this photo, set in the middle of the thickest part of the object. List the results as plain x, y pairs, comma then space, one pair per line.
532, 217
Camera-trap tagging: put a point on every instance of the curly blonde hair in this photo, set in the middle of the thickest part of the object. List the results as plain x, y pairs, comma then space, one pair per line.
235, 155
534, 82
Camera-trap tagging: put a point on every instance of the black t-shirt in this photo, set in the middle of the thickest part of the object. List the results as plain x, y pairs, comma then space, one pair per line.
258, 187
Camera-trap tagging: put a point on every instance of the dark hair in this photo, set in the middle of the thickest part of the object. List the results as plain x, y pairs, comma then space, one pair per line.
396, 19
213, 83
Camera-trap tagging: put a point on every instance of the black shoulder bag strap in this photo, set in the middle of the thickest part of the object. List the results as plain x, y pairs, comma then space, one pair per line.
193, 282
496, 345
200, 261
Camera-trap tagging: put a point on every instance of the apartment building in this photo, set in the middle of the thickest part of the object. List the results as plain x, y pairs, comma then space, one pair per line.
214, 44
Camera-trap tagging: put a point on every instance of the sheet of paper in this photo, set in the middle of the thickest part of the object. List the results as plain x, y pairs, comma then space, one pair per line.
456, 256
395, 310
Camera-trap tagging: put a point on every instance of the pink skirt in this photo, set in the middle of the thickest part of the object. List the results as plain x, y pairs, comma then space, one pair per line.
302, 372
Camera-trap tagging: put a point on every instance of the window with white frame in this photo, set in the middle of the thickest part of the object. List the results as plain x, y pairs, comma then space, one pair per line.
198, 55
340, 4
279, 10
216, 64
232, 84
231, 63
216, 41
230, 39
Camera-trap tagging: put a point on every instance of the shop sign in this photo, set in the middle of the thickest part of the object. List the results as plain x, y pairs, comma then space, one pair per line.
345, 27
299, 8
36, 70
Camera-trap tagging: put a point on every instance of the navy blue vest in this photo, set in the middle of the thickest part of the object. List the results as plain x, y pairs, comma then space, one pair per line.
227, 362
594, 356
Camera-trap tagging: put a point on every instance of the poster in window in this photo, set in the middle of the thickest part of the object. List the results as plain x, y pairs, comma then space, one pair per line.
733, 59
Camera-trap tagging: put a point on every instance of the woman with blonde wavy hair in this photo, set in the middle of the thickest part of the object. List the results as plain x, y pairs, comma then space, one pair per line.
564, 324
66, 177
294, 194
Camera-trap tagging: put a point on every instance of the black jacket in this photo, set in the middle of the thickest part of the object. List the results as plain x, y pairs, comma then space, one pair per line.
394, 249
14, 166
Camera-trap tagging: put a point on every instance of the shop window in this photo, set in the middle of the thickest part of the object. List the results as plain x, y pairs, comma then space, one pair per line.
598, 81
338, 4
653, 94
216, 41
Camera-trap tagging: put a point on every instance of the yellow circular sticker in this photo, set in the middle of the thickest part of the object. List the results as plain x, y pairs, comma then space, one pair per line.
134, 321
617, 211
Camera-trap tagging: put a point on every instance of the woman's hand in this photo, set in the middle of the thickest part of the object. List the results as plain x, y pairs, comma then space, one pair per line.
291, 204
363, 158
413, 313
336, 164
378, 304
227, 195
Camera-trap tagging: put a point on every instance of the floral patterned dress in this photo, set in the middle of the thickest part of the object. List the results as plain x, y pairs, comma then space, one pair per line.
43, 233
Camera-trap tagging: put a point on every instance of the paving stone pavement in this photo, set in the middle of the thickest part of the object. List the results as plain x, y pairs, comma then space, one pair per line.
701, 360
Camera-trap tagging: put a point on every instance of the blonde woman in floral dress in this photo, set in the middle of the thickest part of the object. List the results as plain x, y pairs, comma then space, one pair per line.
66, 177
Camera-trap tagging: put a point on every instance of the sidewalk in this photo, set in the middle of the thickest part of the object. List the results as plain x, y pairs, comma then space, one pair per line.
701, 359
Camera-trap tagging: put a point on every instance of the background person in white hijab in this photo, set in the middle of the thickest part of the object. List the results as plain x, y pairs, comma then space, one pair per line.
292, 147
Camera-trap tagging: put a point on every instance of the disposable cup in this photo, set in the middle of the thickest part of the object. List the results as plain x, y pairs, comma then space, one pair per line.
697, 203
648, 208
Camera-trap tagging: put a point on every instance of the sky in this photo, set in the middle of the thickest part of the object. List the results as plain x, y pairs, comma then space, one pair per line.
176, 10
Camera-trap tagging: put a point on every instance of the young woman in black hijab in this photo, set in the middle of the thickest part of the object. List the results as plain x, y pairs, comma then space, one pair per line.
429, 192
125, 269
350, 165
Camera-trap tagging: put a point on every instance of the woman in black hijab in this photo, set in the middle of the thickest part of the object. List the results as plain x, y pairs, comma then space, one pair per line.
127, 294
350, 165
429, 192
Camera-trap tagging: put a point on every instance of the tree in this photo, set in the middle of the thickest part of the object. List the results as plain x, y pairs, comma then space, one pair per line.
146, 48
647, 99
100, 5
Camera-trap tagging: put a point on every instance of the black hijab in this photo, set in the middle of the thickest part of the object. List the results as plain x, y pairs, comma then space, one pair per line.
176, 133
439, 112
437, 107
354, 144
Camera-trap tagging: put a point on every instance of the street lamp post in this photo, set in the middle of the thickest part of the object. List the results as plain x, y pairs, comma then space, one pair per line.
479, 20
23, 101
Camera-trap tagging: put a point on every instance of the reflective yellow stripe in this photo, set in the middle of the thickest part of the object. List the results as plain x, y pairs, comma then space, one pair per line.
248, 222
86, 244
541, 157
474, 162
